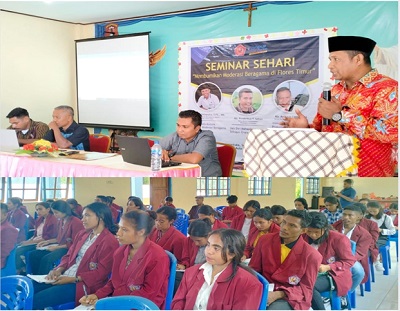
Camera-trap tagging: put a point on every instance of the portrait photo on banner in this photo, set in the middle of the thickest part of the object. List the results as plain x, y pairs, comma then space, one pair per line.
248, 82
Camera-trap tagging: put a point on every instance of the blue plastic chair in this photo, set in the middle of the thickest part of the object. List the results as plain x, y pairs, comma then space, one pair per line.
385, 254
10, 268
171, 280
125, 303
219, 210
180, 210
16, 293
264, 295
182, 223
395, 238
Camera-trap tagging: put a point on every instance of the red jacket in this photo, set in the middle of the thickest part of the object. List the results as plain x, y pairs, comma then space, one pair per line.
336, 252
190, 252
296, 276
146, 276
219, 224
363, 241
373, 229
50, 228
173, 241
66, 234
228, 213
95, 266
248, 251
18, 219
238, 222
9, 235
242, 292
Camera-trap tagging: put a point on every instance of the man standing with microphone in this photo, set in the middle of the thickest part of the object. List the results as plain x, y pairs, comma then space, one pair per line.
363, 104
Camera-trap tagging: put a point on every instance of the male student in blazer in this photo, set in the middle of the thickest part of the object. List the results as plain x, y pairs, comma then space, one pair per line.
289, 262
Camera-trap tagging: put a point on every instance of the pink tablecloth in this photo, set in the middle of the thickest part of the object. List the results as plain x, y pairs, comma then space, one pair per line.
12, 165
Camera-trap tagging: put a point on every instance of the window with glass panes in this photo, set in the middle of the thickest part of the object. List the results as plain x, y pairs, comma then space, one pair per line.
213, 186
259, 186
312, 185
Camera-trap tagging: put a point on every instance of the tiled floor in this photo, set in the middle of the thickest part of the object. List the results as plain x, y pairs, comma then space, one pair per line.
384, 293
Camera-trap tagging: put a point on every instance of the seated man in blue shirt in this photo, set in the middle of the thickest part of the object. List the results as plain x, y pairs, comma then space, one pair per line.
65, 132
190, 144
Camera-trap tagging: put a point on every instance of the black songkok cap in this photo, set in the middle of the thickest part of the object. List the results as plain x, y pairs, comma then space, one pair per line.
351, 43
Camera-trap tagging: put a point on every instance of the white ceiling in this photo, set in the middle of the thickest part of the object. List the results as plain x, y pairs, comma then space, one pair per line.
87, 12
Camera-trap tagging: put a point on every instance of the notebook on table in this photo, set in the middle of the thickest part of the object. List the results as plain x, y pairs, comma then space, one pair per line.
136, 150
8, 140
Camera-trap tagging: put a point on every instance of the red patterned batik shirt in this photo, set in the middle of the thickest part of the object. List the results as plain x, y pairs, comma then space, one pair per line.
370, 114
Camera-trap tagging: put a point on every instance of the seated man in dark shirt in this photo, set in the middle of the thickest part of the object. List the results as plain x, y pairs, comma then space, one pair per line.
65, 132
191, 144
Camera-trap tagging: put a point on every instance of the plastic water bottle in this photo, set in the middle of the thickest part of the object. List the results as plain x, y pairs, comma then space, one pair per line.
156, 152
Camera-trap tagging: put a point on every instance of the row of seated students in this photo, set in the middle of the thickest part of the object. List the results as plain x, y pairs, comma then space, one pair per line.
193, 250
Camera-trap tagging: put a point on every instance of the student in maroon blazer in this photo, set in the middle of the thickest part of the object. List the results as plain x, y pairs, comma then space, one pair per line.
348, 226
337, 258
76, 208
140, 266
46, 227
167, 236
287, 261
68, 226
244, 222
17, 217
8, 234
206, 211
106, 200
87, 263
198, 232
232, 210
234, 286
263, 224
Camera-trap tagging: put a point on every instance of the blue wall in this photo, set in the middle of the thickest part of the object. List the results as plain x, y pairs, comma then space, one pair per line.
374, 19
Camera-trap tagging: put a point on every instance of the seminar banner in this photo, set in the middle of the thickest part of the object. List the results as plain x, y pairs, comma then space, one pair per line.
242, 83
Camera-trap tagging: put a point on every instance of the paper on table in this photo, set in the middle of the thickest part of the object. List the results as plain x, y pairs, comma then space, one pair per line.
292, 129
84, 307
39, 278
44, 248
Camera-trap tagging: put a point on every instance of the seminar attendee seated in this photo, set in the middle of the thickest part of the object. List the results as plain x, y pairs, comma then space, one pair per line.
46, 228
386, 228
337, 259
262, 219
86, 266
27, 130
288, 262
65, 132
167, 236
206, 211
76, 208
17, 217
134, 203
301, 204
140, 267
105, 200
191, 144
394, 210
222, 283
244, 222
333, 210
278, 213
232, 210
8, 235
354, 232
42, 261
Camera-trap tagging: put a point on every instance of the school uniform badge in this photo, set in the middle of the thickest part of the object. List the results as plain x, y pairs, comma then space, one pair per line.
294, 280
92, 265
134, 287
331, 260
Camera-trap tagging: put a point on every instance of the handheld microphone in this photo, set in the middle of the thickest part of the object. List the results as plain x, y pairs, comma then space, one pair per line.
326, 94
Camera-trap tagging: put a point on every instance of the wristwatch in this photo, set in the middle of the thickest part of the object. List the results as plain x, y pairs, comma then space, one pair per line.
337, 116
